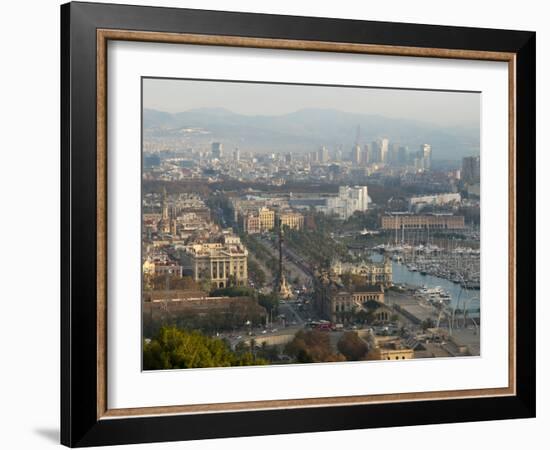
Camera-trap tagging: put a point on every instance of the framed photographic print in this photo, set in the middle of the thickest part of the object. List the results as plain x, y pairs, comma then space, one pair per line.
277, 224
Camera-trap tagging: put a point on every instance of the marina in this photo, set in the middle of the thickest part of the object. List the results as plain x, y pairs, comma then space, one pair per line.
457, 264
459, 297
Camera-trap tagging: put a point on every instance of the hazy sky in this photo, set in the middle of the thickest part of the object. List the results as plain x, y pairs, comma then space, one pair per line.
441, 108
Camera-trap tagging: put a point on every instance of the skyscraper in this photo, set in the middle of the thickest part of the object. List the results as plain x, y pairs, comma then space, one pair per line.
367, 156
376, 152
313, 157
402, 155
470, 169
394, 153
356, 154
236, 155
384, 149
323, 155
217, 150
426, 154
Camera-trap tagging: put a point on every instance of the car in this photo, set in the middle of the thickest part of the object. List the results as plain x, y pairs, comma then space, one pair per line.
264, 331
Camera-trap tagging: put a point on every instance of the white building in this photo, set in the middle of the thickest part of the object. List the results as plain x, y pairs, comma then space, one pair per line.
218, 262
348, 201
436, 199
425, 154
373, 273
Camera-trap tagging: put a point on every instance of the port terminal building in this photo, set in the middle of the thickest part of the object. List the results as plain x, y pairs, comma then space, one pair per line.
409, 221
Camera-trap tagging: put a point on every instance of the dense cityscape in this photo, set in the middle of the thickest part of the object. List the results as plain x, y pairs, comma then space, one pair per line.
327, 255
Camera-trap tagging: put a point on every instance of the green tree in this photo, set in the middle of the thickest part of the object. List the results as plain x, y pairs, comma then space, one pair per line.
269, 301
256, 273
233, 291
173, 348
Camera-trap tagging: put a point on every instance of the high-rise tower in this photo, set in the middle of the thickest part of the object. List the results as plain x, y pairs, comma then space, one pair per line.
356, 154
217, 150
426, 154
323, 155
384, 149
376, 152
367, 154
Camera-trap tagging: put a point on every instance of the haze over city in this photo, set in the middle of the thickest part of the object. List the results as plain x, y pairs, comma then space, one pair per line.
443, 108
262, 117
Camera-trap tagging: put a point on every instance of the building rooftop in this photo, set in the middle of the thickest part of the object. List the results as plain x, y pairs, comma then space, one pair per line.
368, 288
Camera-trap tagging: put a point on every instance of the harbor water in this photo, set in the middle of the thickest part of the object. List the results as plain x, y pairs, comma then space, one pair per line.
460, 297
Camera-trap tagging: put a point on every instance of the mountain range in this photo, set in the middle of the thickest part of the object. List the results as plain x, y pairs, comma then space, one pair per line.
306, 130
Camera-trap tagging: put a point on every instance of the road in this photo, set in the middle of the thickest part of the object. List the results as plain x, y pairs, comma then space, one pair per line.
420, 310
290, 313
291, 262
276, 336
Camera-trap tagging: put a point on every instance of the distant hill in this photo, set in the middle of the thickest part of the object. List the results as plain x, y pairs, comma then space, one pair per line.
307, 129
